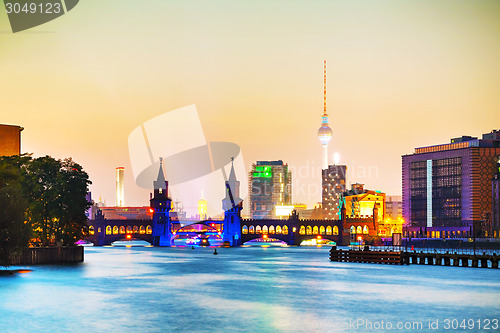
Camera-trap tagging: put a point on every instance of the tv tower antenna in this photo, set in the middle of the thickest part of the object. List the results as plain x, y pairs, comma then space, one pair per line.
324, 132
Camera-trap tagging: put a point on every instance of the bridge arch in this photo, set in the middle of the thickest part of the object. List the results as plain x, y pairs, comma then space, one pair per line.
322, 230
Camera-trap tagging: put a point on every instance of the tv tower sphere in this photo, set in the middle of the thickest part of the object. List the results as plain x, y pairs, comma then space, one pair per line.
325, 134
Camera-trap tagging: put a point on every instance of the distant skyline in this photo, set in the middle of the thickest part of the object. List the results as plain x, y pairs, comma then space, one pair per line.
401, 74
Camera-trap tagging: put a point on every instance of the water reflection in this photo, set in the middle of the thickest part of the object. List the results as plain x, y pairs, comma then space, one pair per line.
242, 289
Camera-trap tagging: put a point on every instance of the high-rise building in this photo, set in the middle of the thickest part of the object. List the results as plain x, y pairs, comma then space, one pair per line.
495, 203
120, 194
334, 184
270, 185
324, 132
444, 186
10, 140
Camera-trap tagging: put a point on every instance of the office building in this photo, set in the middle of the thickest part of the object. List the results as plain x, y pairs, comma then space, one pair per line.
393, 207
333, 185
495, 203
120, 194
10, 140
447, 187
270, 185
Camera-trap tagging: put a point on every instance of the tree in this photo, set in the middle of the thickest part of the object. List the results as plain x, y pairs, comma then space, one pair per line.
47, 195
57, 191
15, 231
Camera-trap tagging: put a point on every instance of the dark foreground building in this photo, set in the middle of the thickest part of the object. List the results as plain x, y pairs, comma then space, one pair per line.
10, 140
447, 189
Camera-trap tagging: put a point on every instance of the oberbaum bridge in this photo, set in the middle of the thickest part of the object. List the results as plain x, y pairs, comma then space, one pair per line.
162, 230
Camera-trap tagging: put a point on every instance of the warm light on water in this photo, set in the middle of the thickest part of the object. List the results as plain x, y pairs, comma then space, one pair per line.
251, 289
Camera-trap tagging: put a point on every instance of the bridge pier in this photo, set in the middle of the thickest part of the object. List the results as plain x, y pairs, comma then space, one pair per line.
465, 261
475, 262
484, 263
447, 260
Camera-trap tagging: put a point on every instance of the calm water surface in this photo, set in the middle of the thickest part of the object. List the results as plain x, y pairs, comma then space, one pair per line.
254, 289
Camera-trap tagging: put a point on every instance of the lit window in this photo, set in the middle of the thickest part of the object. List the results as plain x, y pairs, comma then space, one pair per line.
335, 230
302, 230
91, 230
108, 230
308, 230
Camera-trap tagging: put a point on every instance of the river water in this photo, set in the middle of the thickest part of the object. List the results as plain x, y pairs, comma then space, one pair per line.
250, 289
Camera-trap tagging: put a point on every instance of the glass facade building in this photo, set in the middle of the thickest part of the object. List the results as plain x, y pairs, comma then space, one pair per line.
270, 185
444, 185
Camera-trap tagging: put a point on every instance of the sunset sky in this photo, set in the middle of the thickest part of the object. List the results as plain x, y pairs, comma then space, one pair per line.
401, 74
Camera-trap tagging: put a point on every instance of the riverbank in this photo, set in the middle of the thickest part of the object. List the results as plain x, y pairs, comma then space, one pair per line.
48, 255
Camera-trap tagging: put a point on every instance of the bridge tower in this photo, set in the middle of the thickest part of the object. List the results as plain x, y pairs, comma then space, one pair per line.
232, 205
161, 203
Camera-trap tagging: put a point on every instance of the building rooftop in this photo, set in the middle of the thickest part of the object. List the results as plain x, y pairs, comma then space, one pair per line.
491, 139
278, 162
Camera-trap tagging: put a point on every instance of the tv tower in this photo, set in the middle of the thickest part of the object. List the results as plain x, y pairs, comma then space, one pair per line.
324, 132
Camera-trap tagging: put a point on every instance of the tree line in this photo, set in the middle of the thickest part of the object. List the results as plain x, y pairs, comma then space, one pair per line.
42, 203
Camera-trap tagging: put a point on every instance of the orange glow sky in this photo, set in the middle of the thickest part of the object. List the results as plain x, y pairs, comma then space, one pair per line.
401, 74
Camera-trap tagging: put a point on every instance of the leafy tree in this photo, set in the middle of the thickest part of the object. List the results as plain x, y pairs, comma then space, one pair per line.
47, 195
15, 232
57, 191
